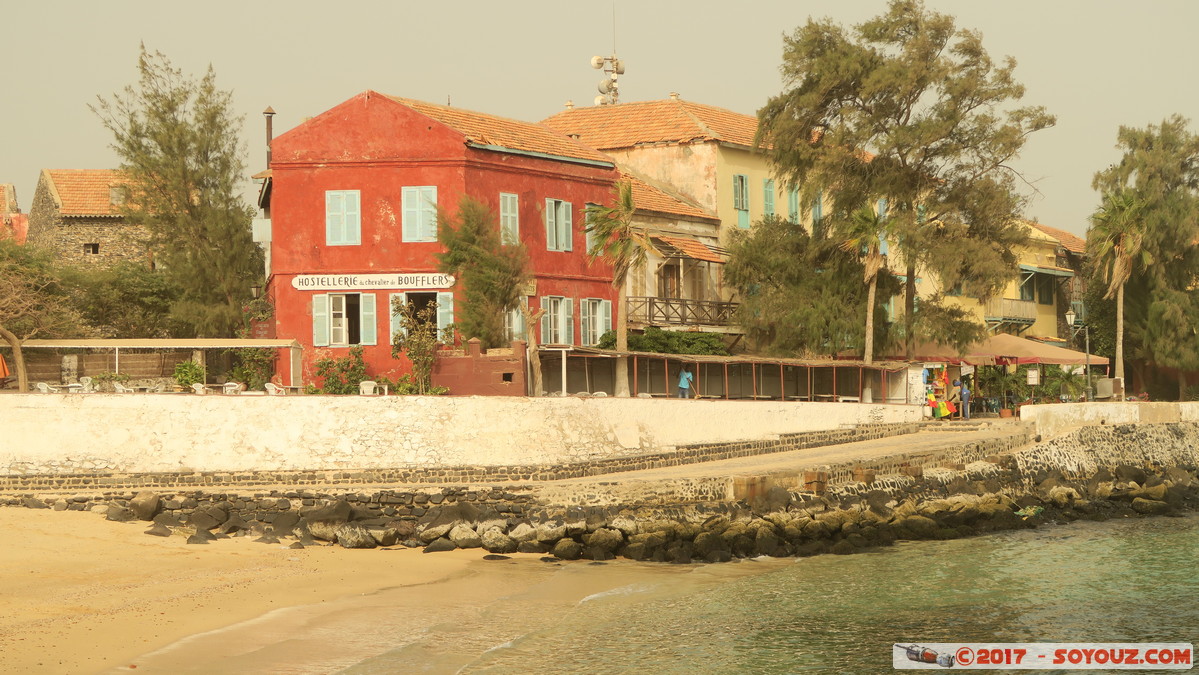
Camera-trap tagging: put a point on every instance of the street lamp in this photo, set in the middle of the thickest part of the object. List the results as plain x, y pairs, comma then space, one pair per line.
1070, 316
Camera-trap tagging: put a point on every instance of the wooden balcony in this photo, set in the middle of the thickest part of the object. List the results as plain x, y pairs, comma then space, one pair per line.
1009, 310
653, 311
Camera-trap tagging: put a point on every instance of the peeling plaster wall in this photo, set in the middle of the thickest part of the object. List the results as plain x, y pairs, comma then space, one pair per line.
130, 433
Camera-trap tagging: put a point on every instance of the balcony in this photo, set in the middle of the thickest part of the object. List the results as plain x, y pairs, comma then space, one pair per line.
653, 311
1000, 312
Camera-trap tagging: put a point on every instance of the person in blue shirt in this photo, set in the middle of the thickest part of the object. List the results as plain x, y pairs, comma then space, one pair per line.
965, 393
685, 383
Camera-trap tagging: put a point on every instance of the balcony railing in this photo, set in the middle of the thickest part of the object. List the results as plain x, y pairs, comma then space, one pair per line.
680, 312
1009, 310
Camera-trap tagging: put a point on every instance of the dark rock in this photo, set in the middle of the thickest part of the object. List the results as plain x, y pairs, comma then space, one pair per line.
532, 547
233, 525
549, 559
439, 545
1150, 507
492, 556
198, 539
352, 535
120, 514
285, 522
159, 530
1130, 474
718, 556
296, 545
435, 532
337, 512
33, 503
61, 505
766, 542
268, 538
567, 549
495, 541
598, 553
168, 519
386, 536
844, 547
145, 505
202, 520
605, 539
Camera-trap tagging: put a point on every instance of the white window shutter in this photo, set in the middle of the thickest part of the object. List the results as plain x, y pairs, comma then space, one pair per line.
396, 326
568, 321
605, 318
566, 227
546, 321
410, 214
334, 217
352, 221
428, 206
551, 227
445, 310
586, 321
320, 320
366, 319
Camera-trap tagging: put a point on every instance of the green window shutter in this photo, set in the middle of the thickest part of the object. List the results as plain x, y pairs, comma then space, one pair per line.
410, 214
352, 233
568, 321
334, 217
445, 310
768, 196
586, 319
428, 213
605, 318
320, 320
545, 320
509, 219
366, 319
396, 324
551, 226
565, 226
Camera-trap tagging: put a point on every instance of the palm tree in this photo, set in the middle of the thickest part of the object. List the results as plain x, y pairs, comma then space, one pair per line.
624, 245
862, 233
1118, 237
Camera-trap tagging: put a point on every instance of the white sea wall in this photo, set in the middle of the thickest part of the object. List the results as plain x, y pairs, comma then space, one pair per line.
63, 434
1057, 418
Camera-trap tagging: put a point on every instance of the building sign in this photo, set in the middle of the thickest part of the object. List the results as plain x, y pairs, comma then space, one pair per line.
356, 282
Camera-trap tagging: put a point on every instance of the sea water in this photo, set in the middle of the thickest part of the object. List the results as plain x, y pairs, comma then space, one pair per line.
1133, 580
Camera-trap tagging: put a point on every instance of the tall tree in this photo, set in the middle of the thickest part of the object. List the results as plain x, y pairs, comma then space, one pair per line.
1117, 245
33, 302
489, 273
863, 232
625, 244
178, 141
909, 108
1159, 169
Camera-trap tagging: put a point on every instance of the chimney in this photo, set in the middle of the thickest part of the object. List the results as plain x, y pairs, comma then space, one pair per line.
269, 113
674, 95
570, 105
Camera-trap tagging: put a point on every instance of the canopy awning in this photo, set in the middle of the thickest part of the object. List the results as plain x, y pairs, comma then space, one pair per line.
684, 247
1003, 348
1055, 271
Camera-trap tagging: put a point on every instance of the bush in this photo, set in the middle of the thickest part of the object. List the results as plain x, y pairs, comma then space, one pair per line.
342, 376
188, 373
658, 341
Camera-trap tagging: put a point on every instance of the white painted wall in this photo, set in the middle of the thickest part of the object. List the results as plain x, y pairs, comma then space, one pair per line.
132, 433
1057, 418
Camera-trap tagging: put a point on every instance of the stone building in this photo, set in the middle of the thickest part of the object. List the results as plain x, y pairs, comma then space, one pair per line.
77, 214
13, 223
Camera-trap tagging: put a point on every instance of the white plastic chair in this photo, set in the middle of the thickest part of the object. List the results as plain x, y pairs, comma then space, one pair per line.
273, 389
199, 388
232, 387
87, 385
367, 388
44, 388
122, 389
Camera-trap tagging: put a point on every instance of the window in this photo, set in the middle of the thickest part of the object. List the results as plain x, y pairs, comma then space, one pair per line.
741, 199
445, 308
118, 195
343, 222
557, 324
590, 236
1027, 286
509, 219
557, 225
514, 322
793, 205
768, 196
1045, 289
818, 208
91, 249
343, 319
419, 213
595, 319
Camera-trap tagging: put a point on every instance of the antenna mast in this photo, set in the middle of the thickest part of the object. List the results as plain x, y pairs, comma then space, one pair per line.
609, 87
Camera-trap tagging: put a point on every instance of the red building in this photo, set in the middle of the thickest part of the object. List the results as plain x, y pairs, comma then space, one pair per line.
351, 200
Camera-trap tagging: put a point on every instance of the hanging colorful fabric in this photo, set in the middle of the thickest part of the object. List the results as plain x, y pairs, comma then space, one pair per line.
942, 409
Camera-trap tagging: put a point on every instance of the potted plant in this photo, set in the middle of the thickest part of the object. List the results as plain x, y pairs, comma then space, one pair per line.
188, 373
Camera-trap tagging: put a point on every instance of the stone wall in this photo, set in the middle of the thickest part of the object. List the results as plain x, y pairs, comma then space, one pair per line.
164, 433
1054, 419
118, 240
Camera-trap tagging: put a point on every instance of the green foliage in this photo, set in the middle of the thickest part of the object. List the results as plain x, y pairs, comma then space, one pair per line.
342, 375
909, 108
489, 273
34, 299
800, 294
418, 340
255, 366
188, 373
1059, 382
177, 138
126, 300
658, 341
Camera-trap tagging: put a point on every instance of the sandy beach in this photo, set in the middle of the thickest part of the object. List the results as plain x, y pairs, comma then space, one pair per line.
81, 594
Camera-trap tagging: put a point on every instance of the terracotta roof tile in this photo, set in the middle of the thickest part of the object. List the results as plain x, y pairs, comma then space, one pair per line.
659, 199
486, 129
1071, 242
85, 192
693, 248
626, 125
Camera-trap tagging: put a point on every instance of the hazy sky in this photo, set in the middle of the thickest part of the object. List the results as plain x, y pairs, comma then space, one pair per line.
1094, 64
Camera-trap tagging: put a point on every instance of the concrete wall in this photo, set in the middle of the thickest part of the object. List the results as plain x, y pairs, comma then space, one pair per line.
1056, 419
129, 433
